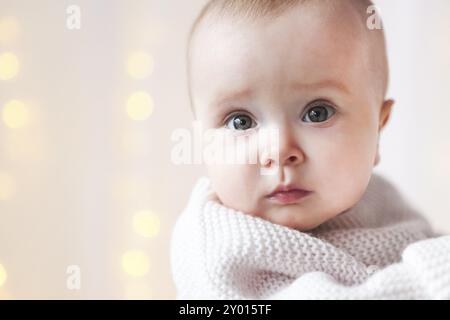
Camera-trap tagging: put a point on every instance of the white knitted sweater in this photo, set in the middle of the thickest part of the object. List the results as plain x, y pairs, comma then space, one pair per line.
375, 250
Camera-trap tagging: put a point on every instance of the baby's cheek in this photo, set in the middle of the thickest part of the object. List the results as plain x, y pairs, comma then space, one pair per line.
235, 185
342, 192
340, 173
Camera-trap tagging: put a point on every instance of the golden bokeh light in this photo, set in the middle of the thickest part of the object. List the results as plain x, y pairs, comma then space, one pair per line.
136, 263
139, 106
146, 223
7, 186
139, 65
3, 275
9, 30
9, 66
15, 114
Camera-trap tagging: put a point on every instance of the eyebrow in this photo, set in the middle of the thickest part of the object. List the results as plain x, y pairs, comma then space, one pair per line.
224, 99
221, 105
328, 83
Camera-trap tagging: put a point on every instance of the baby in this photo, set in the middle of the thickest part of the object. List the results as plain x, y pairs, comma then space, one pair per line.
313, 70
316, 72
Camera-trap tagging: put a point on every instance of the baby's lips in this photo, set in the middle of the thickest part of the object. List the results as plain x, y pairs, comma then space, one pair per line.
289, 197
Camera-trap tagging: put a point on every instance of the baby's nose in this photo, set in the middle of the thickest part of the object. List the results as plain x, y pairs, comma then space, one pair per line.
288, 152
292, 160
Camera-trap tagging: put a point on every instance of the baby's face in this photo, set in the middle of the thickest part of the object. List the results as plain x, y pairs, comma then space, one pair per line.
307, 76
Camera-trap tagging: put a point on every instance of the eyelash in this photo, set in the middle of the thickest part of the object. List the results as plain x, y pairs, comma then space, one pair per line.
320, 103
317, 103
237, 113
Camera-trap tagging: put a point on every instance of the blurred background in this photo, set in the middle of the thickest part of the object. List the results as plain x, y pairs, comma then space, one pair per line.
90, 93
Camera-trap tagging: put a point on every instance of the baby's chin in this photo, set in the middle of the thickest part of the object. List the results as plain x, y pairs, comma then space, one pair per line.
294, 216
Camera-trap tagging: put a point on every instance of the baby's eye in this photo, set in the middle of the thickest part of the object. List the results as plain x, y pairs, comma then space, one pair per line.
318, 112
240, 122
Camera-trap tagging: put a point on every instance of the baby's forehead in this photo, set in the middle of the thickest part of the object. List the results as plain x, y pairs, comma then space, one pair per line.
311, 36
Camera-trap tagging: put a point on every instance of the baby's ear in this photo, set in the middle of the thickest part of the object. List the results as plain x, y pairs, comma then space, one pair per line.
385, 113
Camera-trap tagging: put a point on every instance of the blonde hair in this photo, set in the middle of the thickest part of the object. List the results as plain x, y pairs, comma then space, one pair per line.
253, 10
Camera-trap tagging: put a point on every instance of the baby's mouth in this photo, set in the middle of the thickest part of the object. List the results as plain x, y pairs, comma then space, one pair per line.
287, 195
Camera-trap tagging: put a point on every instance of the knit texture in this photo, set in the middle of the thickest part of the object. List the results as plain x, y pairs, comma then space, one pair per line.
371, 251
